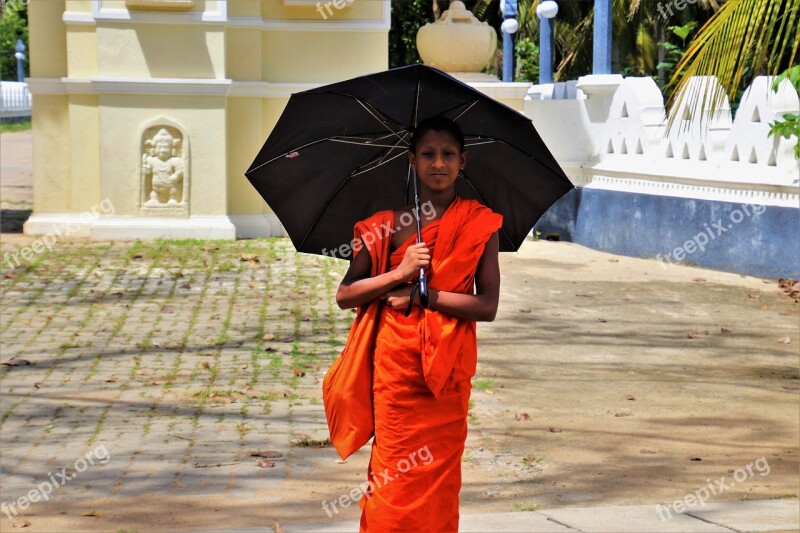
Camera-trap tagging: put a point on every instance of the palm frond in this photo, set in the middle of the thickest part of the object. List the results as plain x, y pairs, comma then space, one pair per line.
743, 39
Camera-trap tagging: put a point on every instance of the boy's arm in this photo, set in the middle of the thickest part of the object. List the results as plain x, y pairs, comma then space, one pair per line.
358, 288
481, 306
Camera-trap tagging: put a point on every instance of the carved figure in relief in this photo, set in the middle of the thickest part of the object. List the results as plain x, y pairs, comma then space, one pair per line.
162, 164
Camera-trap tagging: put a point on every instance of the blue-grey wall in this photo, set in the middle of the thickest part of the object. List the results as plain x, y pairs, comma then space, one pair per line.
757, 240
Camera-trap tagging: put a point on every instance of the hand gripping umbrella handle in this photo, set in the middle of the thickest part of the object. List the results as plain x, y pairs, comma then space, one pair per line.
422, 283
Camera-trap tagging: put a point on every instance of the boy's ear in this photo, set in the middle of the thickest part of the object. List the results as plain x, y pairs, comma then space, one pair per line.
463, 160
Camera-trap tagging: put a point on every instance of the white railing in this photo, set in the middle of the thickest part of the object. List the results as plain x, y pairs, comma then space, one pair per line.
609, 132
15, 100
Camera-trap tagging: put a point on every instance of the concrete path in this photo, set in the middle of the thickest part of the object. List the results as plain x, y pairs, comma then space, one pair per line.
16, 170
767, 515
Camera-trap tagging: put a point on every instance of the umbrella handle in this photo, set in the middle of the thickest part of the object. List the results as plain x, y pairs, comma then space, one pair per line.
423, 279
423, 288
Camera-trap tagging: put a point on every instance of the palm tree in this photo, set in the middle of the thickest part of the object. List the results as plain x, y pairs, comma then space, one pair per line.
637, 29
744, 39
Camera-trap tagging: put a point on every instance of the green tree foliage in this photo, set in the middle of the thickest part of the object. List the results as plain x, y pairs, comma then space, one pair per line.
527, 60
674, 52
408, 16
790, 125
13, 26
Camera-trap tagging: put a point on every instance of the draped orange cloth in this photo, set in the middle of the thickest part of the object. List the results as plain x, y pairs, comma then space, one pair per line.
422, 365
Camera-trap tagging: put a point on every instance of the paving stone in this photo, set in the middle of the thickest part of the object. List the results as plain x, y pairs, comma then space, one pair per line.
628, 518
759, 515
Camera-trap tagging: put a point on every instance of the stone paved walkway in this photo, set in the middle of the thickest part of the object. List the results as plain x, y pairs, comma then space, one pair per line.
169, 359
157, 369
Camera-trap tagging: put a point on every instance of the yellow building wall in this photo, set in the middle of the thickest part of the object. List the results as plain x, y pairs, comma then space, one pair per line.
81, 52
52, 188
161, 51
246, 133
243, 54
352, 10
307, 56
84, 153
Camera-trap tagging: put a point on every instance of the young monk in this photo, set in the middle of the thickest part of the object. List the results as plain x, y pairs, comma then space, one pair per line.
423, 362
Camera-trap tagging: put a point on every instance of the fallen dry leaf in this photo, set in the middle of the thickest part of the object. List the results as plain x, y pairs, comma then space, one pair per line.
695, 459
522, 416
697, 333
298, 372
699, 280
268, 454
725, 330
16, 362
525, 310
263, 463
97, 514
10, 275
785, 340
248, 257
210, 248
20, 523
754, 296
555, 430
268, 337
623, 412
186, 286
603, 320
112, 379
489, 391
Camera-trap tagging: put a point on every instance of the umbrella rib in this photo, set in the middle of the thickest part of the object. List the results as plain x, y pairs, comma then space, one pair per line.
501, 141
471, 105
375, 115
467, 144
363, 143
395, 146
312, 143
416, 104
358, 172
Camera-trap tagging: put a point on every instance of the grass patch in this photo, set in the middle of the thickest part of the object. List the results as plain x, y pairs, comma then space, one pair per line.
525, 507
310, 443
482, 384
11, 127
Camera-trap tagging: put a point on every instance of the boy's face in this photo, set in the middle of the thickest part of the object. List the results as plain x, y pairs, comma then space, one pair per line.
438, 159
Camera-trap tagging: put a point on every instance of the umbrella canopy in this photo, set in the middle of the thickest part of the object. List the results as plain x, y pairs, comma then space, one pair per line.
338, 154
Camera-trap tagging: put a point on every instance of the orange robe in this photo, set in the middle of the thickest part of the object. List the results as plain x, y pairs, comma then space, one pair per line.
423, 364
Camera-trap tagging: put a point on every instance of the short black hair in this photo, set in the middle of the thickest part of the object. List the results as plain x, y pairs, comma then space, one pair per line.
437, 123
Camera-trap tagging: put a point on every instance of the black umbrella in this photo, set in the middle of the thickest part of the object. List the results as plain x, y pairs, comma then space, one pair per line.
338, 154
